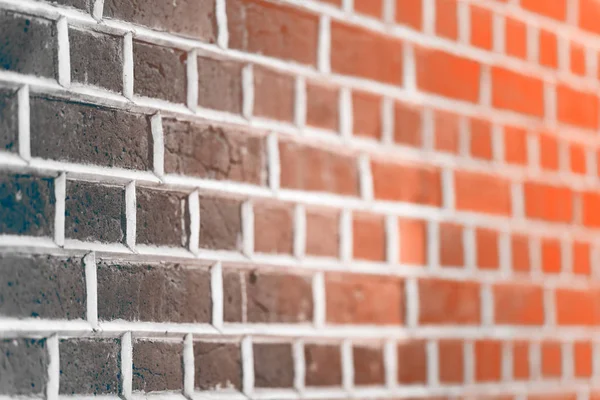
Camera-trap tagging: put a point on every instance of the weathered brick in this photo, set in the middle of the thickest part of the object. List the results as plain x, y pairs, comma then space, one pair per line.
451, 245
159, 72
443, 302
273, 365
412, 362
29, 45
220, 223
412, 183
273, 94
214, 152
96, 59
368, 365
153, 293
232, 295
26, 205
550, 203
322, 233
162, 218
488, 360
42, 286
157, 366
356, 299
95, 212
368, 237
89, 366
89, 134
577, 107
481, 192
23, 367
322, 105
184, 17
9, 123
220, 85
518, 304
273, 228
323, 365
450, 361
516, 92
217, 365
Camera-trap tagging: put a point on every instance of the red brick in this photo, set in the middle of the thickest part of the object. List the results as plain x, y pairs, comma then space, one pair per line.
366, 109
273, 95
551, 256
365, 54
515, 145
577, 158
548, 146
481, 139
591, 209
553, 396
577, 58
520, 360
451, 245
581, 258
550, 203
577, 307
356, 299
515, 39
486, 241
516, 92
409, 12
369, 368
407, 125
373, 8
322, 106
548, 51
322, 233
323, 365
451, 361
577, 107
520, 253
220, 84
482, 193
273, 228
589, 15
448, 302
407, 183
447, 75
275, 30
488, 360
481, 27
368, 237
582, 352
310, 168
413, 241
516, 304
446, 19
551, 359
412, 362
556, 9
447, 132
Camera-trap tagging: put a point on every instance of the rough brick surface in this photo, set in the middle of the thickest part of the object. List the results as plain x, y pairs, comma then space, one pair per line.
9, 120
273, 365
217, 365
220, 223
162, 218
23, 366
273, 228
220, 85
157, 366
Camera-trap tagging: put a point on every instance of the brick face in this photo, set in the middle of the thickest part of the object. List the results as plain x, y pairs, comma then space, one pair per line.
273, 365
9, 122
157, 366
323, 365
24, 363
217, 365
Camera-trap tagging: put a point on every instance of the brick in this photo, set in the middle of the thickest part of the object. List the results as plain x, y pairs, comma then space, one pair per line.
217, 365
95, 212
356, 299
481, 139
548, 49
520, 364
581, 258
366, 112
589, 14
407, 125
515, 145
577, 307
214, 152
322, 106
481, 27
409, 12
162, 218
480, 192
577, 158
446, 19
373, 8
80, 4
184, 17
548, 149
220, 85
576, 107
516, 304
550, 203
23, 366
153, 293
487, 251
159, 72
556, 9
157, 366
412, 362
323, 365
488, 360
516, 92
42, 286
27, 205
96, 59
447, 75
322, 233
577, 58
590, 209
413, 241
515, 38
412, 183
446, 132
220, 223
89, 367
368, 366
275, 30
451, 245
450, 361
273, 228
89, 134
232, 296
553, 396
583, 356
519, 245
273, 94
368, 237
9, 123
278, 298
448, 302
29, 45
551, 364
365, 54
551, 256
273, 365
310, 168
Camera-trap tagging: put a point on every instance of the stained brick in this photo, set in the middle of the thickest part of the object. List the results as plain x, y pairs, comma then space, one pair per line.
273, 228
217, 365
323, 365
413, 183
273, 365
448, 302
368, 239
322, 233
157, 366
162, 218
518, 304
220, 85
273, 94
9, 120
220, 223
368, 366
23, 366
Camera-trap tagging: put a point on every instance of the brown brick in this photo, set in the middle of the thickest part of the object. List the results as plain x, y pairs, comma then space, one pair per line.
412, 362
273, 94
217, 365
157, 366
368, 366
448, 302
220, 85
322, 233
232, 295
220, 223
366, 112
273, 228
273, 365
369, 242
323, 365
162, 218
322, 106
450, 361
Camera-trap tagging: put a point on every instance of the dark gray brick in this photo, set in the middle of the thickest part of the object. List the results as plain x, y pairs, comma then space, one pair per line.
89, 134
23, 366
232, 296
157, 366
42, 286
217, 365
220, 223
9, 120
162, 218
165, 293
85, 5
273, 365
220, 85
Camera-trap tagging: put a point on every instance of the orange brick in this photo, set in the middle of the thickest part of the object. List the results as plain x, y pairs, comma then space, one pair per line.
373, 8
322, 233
413, 241
556, 9
451, 245
322, 106
368, 237
577, 307
481, 139
577, 158
548, 203
551, 359
589, 15
407, 125
548, 146
447, 75
482, 193
446, 19
444, 302
551, 256
450, 361
515, 145
481, 27
591, 209
577, 58
520, 253
576, 107
548, 51
409, 12
516, 92
520, 360
582, 352
412, 362
515, 38
488, 360
447, 132
581, 258
407, 183
486, 241
516, 304
366, 108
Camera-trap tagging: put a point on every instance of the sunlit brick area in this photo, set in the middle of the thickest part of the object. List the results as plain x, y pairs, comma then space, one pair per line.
300, 199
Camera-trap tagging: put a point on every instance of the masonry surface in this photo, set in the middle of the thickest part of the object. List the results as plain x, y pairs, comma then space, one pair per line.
300, 199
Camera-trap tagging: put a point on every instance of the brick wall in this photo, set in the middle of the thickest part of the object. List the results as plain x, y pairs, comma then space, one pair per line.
300, 199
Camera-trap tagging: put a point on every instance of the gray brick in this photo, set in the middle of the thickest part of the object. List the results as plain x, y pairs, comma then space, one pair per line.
84, 5
273, 365
232, 296
23, 366
9, 120
220, 223
162, 218
157, 366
